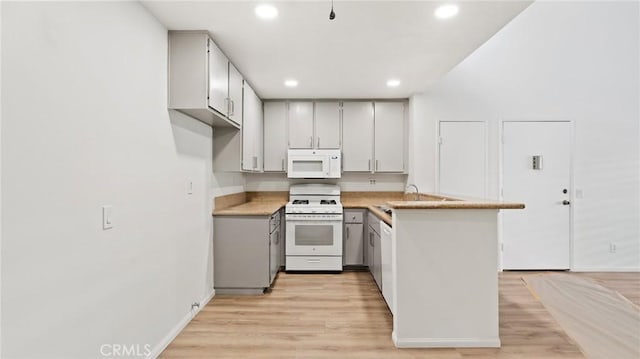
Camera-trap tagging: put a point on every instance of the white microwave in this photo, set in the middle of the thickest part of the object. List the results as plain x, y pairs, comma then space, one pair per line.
314, 164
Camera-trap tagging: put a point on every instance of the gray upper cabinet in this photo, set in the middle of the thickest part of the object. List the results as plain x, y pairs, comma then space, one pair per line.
389, 137
218, 79
251, 131
241, 151
357, 136
327, 125
301, 125
199, 80
275, 136
373, 137
234, 100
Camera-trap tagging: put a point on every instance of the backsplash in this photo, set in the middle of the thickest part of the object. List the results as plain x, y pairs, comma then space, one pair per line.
348, 182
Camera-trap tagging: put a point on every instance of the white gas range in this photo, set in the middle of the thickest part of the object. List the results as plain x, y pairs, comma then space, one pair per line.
314, 228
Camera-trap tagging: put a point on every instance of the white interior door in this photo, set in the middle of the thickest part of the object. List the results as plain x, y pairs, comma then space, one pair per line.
537, 171
462, 158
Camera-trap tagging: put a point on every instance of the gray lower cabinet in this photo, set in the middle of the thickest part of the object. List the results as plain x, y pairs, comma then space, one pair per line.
353, 253
374, 253
246, 251
283, 232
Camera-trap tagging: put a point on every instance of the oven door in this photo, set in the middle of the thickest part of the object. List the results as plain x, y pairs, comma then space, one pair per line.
308, 237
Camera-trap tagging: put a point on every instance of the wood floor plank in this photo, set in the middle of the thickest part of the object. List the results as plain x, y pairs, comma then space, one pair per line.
344, 316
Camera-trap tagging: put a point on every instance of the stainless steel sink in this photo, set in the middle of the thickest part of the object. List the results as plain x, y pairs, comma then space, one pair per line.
386, 210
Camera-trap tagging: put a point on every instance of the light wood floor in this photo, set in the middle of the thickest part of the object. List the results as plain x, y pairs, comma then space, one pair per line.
344, 316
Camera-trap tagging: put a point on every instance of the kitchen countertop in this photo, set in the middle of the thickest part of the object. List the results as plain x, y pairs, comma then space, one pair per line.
250, 203
453, 204
253, 208
267, 203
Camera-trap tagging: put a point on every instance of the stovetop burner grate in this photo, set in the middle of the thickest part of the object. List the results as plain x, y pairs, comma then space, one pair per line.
301, 201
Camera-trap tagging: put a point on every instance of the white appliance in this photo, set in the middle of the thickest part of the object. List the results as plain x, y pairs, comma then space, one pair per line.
386, 249
314, 228
314, 164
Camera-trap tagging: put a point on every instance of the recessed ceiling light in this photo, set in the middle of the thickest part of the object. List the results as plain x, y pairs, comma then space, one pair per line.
393, 83
446, 11
266, 11
291, 83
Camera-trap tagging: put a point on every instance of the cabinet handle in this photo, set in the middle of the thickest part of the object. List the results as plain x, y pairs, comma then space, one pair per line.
369, 164
283, 165
318, 141
311, 141
376, 165
313, 261
371, 239
255, 162
233, 108
347, 232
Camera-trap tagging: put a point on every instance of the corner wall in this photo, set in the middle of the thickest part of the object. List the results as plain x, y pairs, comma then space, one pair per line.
577, 61
85, 124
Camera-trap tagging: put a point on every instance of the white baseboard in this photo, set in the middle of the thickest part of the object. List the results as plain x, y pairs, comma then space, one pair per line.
173, 333
622, 269
445, 342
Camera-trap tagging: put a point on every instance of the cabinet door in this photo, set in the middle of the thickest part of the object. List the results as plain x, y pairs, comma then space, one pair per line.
274, 253
301, 125
369, 244
283, 231
275, 136
354, 244
327, 125
235, 95
389, 137
357, 136
377, 260
251, 131
218, 79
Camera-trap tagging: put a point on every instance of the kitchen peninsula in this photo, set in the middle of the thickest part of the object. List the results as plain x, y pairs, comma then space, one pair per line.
444, 264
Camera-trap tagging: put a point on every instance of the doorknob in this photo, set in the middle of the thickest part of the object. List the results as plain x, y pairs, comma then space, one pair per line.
566, 203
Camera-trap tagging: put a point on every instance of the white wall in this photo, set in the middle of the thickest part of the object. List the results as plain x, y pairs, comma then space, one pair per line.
348, 182
0, 180
558, 60
85, 124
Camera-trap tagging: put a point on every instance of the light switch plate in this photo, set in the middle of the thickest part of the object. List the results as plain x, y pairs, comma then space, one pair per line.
107, 217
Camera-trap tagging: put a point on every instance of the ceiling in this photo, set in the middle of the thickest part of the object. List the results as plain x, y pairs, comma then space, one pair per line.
352, 56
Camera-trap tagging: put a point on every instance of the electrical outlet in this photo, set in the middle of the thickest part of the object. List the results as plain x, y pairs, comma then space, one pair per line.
612, 247
372, 181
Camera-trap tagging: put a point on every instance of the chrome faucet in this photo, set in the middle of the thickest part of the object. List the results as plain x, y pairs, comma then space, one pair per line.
417, 191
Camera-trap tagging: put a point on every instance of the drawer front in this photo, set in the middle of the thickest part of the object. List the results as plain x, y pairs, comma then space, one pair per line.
314, 263
352, 217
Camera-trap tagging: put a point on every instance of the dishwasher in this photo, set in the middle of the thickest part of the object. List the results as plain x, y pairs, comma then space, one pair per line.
386, 264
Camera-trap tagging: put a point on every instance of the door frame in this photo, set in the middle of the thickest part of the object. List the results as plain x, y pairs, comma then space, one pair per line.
572, 143
486, 154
